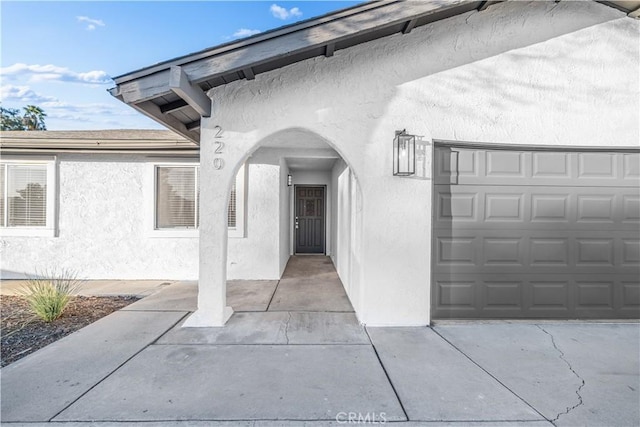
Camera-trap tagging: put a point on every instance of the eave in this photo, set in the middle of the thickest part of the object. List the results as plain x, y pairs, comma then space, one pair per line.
173, 93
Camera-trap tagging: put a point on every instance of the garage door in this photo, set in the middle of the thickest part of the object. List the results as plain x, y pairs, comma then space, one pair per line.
536, 233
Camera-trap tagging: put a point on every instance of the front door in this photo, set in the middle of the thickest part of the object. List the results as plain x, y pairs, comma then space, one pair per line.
309, 220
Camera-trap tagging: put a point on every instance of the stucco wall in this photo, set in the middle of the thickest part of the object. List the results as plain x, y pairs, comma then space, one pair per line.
102, 227
341, 230
257, 255
540, 73
285, 216
104, 234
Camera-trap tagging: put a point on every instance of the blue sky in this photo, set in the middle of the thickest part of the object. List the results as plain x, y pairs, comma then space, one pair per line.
61, 55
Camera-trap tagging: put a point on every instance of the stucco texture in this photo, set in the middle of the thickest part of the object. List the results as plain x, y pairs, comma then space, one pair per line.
536, 73
101, 227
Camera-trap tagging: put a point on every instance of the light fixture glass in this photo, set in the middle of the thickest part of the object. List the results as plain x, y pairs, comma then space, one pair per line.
289, 180
404, 154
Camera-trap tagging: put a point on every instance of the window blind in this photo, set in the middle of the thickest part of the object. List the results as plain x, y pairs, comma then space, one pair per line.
3, 215
26, 195
231, 211
176, 197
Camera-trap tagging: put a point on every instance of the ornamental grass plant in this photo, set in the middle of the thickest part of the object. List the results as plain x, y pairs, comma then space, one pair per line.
49, 293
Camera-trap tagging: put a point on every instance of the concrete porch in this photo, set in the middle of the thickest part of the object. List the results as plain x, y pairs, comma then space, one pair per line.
285, 358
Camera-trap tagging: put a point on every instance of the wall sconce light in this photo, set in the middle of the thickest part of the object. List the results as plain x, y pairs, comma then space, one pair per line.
404, 154
289, 180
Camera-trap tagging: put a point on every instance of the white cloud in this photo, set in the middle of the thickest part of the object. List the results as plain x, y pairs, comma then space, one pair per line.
282, 12
59, 109
23, 94
245, 32
90, 111
52, 72
91, 23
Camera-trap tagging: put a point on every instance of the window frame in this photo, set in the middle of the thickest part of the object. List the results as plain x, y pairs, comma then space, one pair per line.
151, 188
50, 227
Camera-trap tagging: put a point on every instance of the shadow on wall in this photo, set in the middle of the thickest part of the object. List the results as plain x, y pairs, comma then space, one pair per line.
13, 275
452, 44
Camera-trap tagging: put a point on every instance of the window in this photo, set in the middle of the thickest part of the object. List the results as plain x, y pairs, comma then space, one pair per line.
27, 194
176, 195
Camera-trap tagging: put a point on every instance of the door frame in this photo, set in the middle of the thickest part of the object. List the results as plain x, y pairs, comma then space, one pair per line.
293, 218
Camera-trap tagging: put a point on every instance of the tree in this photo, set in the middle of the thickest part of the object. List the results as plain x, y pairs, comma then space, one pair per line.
31, 119
10, 119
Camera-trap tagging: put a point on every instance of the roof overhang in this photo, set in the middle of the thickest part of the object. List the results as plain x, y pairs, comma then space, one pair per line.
96, 141
173, 93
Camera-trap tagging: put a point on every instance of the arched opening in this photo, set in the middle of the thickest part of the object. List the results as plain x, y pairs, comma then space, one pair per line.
298, 250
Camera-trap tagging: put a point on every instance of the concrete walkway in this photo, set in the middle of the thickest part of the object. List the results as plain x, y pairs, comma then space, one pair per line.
284, 359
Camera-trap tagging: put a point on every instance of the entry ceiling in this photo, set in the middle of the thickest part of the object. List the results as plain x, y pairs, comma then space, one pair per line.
310, 164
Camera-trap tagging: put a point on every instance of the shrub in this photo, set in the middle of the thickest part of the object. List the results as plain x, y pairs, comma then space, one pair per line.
49, 294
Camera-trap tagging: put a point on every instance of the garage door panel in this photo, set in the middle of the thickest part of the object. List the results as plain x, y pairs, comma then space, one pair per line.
598, 166
631, 167
550, 208
631, 208
457, 251
452, 165
552, 165
535, 234
501, 207
503, 251
596, 208
505, 164
531, 207
536, 296
630, 295
525, 251
460, 166
595, 294
630, 253
549, 252
503, 295
458, 206
459, 295
594, 252
551, 294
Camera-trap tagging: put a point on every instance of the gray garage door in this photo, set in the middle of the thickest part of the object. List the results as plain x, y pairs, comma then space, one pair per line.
536, 234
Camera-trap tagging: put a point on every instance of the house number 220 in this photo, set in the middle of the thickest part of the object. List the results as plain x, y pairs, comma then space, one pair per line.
218, 162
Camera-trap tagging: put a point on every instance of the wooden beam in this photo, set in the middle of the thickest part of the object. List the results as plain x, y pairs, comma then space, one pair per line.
193, 125
173, 106
152, 87
179, 83
410, 24
248, 73
151, 110
486, 4
328, 50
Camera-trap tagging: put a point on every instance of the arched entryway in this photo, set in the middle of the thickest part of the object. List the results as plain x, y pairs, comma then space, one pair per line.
300, 196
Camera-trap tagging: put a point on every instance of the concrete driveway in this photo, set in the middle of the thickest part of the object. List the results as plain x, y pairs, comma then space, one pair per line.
317, 367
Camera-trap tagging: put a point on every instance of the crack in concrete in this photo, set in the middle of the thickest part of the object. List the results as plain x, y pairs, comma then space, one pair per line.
286, 327
582, 382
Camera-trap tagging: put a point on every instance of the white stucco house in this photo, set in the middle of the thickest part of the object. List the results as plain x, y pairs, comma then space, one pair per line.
523, 200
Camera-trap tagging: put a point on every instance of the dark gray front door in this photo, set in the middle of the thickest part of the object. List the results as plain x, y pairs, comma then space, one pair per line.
309, 220
536, 234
